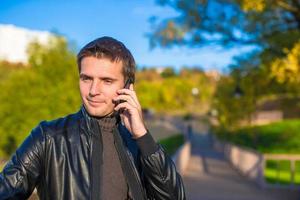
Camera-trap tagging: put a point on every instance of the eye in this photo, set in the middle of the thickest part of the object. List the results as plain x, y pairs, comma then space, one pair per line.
85, 78
108, 81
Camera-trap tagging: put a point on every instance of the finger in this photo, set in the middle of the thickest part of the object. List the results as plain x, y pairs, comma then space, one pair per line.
126, 98
131, 87
125, 91
124, 118
125, 106
131, 93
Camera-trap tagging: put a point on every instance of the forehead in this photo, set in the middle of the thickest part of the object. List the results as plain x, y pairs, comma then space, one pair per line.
101, 66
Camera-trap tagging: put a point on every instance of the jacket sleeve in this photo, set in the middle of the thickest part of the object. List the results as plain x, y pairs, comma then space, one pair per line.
161, 179
20, 175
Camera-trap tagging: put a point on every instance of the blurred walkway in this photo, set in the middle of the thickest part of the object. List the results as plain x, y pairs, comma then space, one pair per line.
210, 177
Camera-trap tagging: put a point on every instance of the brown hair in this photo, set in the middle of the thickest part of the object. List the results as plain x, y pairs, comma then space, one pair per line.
108, 47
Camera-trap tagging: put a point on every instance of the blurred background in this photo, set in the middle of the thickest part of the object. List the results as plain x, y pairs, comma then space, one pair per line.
218, 82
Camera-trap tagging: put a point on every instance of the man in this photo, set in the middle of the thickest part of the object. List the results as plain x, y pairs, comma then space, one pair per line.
104, 151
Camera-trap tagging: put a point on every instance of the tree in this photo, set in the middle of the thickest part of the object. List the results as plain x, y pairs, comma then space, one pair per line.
229, 22
173, 94
168, 72
272, 26
7, 68
287, 69
45, 90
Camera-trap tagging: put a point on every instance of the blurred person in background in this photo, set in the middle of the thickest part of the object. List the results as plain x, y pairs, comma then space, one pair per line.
104, 151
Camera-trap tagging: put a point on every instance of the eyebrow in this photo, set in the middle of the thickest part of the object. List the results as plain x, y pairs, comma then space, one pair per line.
82, 75
85, 76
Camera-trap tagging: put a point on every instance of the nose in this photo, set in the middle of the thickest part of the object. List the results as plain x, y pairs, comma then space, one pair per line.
95, 88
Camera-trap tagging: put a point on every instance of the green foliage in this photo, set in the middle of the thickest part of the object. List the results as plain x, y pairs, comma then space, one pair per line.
168, 72
6, 69
280, 137
274, 39
228, 107
232, 106
1, 166
173, 94
227, 23
10, 145
45, 90
172, 143
287, 69
254, 84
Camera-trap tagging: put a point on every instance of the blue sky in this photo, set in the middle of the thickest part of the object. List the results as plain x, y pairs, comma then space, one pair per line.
126, 20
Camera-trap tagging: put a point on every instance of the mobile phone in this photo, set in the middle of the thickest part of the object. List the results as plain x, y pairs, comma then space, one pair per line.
126, 86
128, 82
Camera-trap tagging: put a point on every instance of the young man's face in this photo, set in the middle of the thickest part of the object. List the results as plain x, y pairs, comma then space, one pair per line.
99, 81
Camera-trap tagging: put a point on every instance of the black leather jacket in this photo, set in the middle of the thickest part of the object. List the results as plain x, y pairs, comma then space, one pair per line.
56, 158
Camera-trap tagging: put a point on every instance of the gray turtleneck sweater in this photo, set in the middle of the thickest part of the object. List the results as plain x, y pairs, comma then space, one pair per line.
114, 184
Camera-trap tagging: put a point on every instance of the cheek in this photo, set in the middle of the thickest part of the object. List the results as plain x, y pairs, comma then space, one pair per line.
111, 92
83, 89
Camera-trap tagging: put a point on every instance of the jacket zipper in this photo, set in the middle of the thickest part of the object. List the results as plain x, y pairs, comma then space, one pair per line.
92, 125
96, 161
90, 163
102, 155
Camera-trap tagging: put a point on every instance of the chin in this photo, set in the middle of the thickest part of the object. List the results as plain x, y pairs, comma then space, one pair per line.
97, 112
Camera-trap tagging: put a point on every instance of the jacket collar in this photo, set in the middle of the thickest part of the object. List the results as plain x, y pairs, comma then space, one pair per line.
87, 118
90, 121
88, 125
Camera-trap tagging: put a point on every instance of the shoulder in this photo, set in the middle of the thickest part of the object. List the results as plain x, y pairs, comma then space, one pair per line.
60, 124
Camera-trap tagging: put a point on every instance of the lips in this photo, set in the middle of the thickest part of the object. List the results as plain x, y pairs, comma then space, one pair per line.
95, 103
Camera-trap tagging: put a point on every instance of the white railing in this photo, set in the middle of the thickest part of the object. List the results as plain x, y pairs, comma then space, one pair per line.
291, 158
252, 164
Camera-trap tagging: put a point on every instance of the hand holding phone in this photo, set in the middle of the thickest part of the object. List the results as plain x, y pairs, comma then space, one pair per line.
132, 119
126, 86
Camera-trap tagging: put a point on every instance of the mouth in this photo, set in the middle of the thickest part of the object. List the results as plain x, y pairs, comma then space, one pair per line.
95, 103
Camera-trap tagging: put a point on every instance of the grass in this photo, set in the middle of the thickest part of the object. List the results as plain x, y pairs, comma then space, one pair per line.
171, 144
283, 175
277, 138
280, 137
